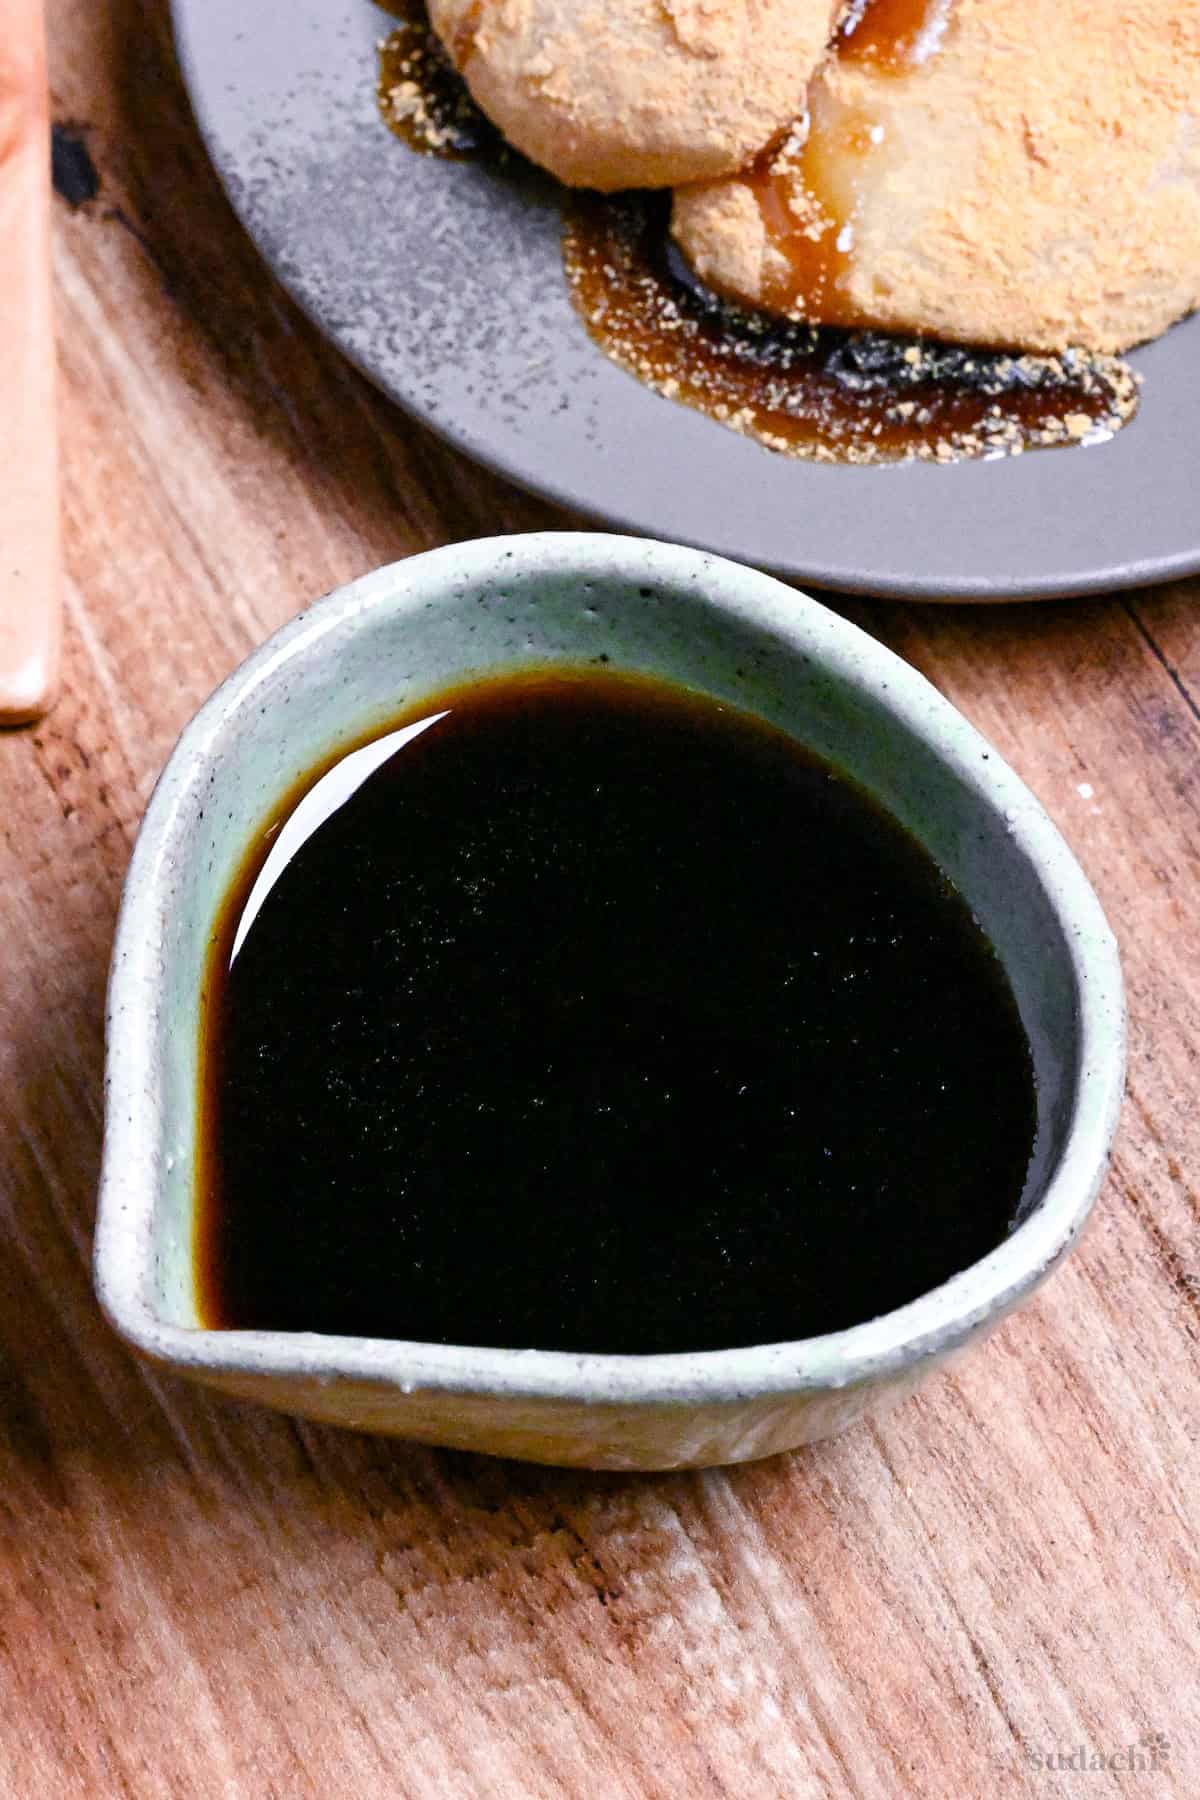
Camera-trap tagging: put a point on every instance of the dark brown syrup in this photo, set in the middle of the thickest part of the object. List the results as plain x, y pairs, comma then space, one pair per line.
818, 391
422, 97
600, 1017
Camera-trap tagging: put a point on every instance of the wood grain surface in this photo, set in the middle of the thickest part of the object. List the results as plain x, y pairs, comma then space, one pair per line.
198, 1598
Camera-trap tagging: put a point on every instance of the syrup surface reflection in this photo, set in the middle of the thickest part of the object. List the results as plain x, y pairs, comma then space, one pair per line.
320, 803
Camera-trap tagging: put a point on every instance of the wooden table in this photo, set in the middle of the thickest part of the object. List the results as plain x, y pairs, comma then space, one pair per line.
200, 1598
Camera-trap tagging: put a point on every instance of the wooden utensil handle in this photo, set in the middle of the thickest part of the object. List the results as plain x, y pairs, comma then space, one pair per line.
30, 565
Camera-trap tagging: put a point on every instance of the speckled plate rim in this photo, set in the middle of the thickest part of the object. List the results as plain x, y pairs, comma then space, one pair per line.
930, 1326
487, 352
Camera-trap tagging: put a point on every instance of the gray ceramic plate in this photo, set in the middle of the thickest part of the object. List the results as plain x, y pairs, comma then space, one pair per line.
444, 285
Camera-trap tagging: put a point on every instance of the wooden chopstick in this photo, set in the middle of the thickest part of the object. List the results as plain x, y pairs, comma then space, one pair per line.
30, 553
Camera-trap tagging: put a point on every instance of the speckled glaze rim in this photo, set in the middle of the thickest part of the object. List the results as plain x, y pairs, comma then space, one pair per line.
930, 1326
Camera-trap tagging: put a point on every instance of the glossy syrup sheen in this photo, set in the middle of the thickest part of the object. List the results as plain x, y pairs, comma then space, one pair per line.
890, 37
602, 1018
